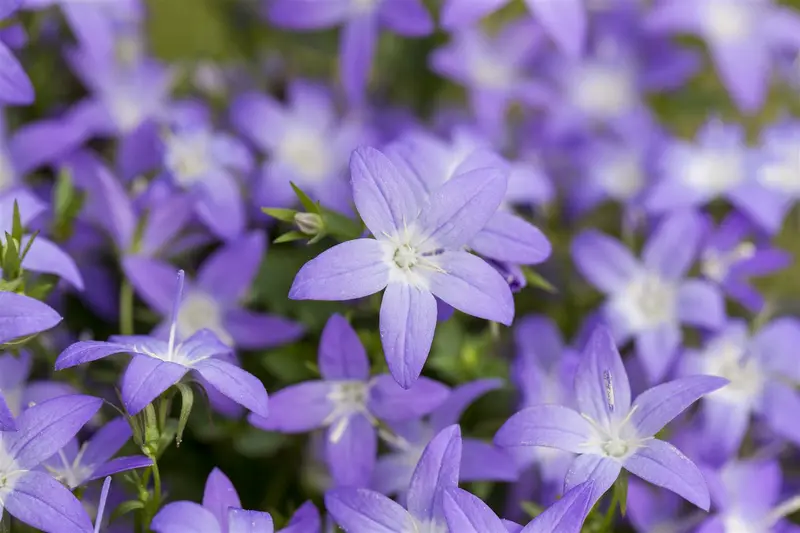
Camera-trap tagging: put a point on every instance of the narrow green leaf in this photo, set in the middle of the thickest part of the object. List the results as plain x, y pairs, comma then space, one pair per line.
11, 262
621, 487
310, 205
125, 508
63, 194
291, 236
532, 509
151, 432
284, 215
536, 280
16, 225
28, 245
187, 400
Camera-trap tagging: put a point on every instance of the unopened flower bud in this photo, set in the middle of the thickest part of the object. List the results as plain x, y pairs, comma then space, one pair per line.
309, 223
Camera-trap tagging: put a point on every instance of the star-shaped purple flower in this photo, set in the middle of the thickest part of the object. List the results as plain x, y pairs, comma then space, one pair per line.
608, 432
649, 299
349, 404
416, 254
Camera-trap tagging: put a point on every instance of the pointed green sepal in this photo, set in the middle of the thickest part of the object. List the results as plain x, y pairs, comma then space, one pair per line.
187, 400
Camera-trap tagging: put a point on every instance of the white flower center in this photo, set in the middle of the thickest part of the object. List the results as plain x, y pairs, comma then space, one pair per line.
783, 175
198, 311
727, 357
728, 21
617, 439
491, 72
603, 91
363, 6
647, 301
307, 152
429, 526
622, 175
715, 265
71, 474
349, 398
188, 156
715, 171
126, 112
408, 263
7, 173
738, 524
9, 471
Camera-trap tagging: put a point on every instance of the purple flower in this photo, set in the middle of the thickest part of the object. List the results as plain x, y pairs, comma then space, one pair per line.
28, 494
746, 495
416, 254
75, 466
480, 461
728, 257
762, 371
742, 36
157, 365
21, 316
221, 512
359, 36
493, 70
204, 162
566, 21
349, 404
778, 172
649, 299
306, 144
16, 86
608, 432
466, 513
212, 302
358, 510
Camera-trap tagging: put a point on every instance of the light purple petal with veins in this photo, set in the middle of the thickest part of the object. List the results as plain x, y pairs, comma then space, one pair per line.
604, 261
219, 494
235, 383
553, 426
228, 273
602, 388
341, 354
391, 402
253, 331
436, 472
21, 316
242, 521
466, 513
351, 449
602, 471
507, 237
146, 378
38, 500
87, 351
298, 408
566, 515
187, 517
366, 511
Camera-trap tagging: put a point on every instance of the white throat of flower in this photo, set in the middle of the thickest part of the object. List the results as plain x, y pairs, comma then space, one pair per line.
617, 438
647, 301
715, 265
603, 91
126, 111
714, 171
7, 173
306, 151
783, 174
409, 257
361, 7
72, 474
9, 471
349, 398
428, 526
188, 156
490, 71
729, 358
728, 21
199, 310
621, 174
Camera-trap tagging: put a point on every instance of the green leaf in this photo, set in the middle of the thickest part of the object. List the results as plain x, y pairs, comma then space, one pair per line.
340, 226
621, 488
532, 509
11, 262
187, 400
16, 225
310, 205
63, 193
536, 280
126, 507
291, 236
28, 245
284, 215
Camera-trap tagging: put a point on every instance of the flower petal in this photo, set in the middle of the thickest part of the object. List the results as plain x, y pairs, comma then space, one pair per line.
391, 402
700, 303
120, 464
483, 461
436, 472
656, 348
662, 464
220, 205
219, 494
553, 426
466, 513
366, 511
356, 49
349, 270
242, 521
298, 408
566, 515
187, 517
406, 17
106, 442
604, 261
235, 383
15, 86
351, 449
472, 286
656, 407
42, 502
253, 331
459, 399
407, 324
308, 14
7, 422
341, 354
464, 13
507, 237
228, 273
672, 247
154, 281
146, 378
21, 316
601, 471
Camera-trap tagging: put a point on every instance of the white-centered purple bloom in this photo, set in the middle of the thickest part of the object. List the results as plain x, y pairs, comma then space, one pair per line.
762, 371
359, 510
732, 253
213, 301
416, 254
565, 21
608, 432
157, 364
649, 299
743, 37
15, 86
361, 20
480, 460
76, 465
206, 163
221, 512
466, 513
778, 172
747, 498
28, 494
495, 70
348, 403
306, 143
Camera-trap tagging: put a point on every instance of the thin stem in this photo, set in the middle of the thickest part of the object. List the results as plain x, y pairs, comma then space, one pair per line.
126, 308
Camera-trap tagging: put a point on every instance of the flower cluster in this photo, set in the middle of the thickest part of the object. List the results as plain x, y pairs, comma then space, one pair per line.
531, 266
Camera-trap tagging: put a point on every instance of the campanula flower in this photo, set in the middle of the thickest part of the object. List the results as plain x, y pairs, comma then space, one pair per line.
649, 299
21, 316
416, 254
157, 364
778, 173
349, 404
27, 493
17, 87
608, 432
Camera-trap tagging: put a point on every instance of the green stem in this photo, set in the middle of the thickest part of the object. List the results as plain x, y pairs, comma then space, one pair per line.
612, 510
126, 308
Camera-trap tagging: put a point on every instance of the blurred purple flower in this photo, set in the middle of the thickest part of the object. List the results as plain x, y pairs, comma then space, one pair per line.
157, 364
778, 172
416, 254
305, 143
28, 494
649, 299
76, 466
349, 404
358, 510
609, 433
16, 86
214, 300
743, 38
361, 21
